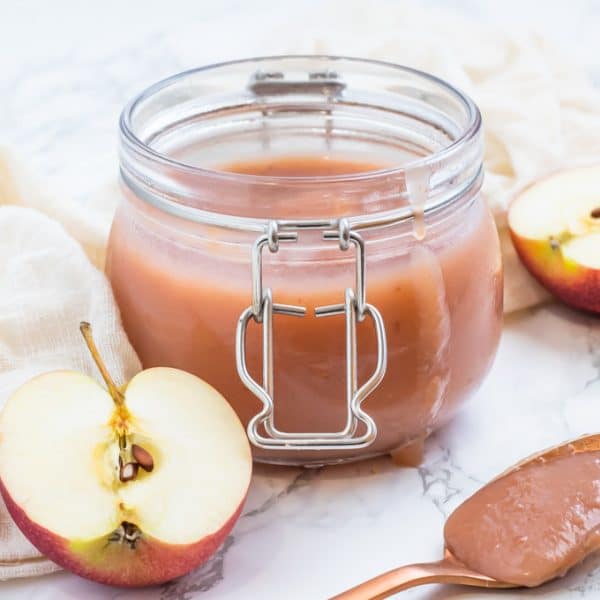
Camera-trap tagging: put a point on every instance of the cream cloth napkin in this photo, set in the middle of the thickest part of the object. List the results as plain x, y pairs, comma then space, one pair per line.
47, 286
540, 112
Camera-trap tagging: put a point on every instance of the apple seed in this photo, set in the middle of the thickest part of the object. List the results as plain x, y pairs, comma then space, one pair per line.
595, 214
143, 457
128, 471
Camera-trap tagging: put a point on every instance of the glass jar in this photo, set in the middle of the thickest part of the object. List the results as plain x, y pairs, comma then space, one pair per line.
344, 310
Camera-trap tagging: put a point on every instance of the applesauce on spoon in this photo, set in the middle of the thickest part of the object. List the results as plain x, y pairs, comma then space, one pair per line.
533, 523
526, 527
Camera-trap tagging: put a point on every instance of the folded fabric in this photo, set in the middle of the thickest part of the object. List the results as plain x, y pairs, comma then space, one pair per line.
89, 225
47, 286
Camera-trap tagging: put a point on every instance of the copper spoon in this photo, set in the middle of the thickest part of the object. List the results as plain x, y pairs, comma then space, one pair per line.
450, 569
447, 570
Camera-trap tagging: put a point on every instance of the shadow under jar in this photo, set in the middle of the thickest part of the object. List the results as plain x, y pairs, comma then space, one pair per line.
257, 188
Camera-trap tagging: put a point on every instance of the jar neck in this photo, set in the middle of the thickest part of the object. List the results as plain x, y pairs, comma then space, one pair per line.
397, 112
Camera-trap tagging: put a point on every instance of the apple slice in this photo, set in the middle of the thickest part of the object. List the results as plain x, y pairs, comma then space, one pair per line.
555, 228
131, 487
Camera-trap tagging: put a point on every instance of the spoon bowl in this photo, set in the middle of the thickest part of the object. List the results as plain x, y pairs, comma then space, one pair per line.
450, 569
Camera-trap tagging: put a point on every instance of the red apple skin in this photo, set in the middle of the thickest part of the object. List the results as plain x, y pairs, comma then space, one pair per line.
152, 562
574, 284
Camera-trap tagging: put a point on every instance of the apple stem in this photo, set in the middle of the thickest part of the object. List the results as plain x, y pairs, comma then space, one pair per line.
114, 391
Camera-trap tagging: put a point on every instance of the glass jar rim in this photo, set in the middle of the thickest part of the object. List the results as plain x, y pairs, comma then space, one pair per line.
472, 127
132, 142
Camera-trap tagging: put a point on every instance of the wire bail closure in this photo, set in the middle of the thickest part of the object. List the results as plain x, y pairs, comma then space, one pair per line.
355, 308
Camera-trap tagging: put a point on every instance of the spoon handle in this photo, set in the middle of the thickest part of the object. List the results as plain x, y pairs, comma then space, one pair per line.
396, 580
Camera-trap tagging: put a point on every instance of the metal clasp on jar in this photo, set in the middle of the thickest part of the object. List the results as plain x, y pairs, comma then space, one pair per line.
355, 308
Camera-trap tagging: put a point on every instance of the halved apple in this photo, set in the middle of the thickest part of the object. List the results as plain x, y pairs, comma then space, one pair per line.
130, 490
555, 228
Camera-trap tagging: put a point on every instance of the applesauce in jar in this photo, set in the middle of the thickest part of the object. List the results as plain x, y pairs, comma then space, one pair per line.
362, 180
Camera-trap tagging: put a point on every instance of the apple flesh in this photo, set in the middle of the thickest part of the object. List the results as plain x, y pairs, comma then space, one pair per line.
63, 442
555, 228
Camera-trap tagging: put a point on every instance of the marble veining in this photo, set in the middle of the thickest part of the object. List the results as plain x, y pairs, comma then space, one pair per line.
201, 580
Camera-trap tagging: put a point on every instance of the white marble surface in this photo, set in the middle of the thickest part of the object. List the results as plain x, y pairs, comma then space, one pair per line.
67, 68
